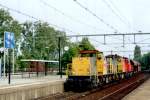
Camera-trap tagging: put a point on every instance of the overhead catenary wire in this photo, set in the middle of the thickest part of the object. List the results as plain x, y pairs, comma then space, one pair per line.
143, 40
116, 48
98, 42
109, 6
92, 13
119, 12
116, 51
30, 16
122, 15
35, 18
68, 16
91, 35
105, 41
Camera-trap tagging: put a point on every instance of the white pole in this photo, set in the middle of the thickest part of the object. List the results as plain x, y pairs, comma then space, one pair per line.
4, 57
4, 64
13, 61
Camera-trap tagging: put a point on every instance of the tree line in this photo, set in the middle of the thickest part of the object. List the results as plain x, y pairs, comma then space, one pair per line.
38, 40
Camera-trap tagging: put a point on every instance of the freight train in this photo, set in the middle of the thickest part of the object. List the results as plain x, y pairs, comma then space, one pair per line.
92, 69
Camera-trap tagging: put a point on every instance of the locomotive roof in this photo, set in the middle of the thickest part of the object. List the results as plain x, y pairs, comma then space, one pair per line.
90, 51
115, 55
125, 58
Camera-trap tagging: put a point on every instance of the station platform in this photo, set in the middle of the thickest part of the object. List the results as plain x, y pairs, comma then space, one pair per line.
140, 93
19, 79
30, 88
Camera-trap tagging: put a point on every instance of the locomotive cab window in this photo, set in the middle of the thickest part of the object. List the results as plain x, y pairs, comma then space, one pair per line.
88, 55
92, 55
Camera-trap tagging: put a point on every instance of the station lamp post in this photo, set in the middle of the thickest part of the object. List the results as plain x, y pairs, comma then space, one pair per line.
59, 54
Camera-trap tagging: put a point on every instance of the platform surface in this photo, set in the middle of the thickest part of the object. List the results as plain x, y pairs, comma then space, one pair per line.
19, 80
140, 93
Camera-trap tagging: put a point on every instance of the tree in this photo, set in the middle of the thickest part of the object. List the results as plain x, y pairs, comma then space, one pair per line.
5, 20
46, 40
41, 41
86, 45
145, 61
7, 23
137, 53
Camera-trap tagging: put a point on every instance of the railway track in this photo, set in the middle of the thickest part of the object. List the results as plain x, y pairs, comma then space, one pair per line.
114, 91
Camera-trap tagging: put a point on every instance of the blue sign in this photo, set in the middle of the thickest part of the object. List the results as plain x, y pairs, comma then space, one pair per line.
9, 40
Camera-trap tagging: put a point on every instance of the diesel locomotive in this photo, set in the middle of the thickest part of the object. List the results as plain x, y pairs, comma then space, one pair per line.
92, 69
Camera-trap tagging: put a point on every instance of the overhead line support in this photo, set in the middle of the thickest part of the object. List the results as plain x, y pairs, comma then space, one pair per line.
134, 39
119, 34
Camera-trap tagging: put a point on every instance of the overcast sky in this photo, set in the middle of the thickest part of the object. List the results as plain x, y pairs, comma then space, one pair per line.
124, 15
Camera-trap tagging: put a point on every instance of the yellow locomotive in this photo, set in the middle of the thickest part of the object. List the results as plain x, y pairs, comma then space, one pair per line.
85, 69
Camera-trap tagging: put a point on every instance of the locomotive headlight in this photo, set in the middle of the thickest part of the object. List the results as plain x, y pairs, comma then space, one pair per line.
88, 71
73, 72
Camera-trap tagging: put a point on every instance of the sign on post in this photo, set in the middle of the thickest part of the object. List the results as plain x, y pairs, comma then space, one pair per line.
9, 40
